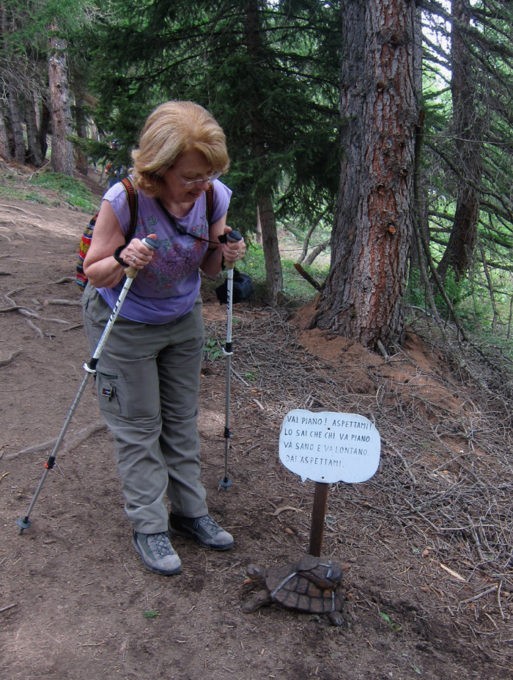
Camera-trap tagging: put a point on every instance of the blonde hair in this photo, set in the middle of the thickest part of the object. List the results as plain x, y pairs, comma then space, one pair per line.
170, 130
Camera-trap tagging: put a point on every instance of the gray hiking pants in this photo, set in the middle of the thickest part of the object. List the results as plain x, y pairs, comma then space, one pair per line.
148, 387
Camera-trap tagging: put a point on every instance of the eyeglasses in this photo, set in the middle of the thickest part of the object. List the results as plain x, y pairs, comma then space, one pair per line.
200, 180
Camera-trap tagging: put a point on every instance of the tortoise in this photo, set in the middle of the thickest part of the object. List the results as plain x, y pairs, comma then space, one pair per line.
309, 585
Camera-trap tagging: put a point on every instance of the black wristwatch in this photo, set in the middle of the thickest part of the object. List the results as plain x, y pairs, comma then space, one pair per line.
116, 255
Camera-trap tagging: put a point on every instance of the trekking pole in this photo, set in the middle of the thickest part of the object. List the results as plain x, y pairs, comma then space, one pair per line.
233, 235
90, 369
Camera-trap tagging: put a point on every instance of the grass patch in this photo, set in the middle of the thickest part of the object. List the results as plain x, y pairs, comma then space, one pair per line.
48, 188
295, 288
69, 189
20, 194
11, 187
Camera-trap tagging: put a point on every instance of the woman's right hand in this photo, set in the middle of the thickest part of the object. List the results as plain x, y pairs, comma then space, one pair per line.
137, 254
100, 266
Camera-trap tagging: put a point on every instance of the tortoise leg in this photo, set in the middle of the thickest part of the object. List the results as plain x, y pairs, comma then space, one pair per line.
336, 618
255, 601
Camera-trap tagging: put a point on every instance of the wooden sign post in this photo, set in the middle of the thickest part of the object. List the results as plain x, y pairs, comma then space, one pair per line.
328, 447
318, 514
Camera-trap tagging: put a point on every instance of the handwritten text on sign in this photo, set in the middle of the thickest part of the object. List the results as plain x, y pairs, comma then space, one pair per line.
329, 447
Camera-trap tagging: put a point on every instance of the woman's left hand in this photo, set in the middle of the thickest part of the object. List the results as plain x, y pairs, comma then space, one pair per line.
233, 250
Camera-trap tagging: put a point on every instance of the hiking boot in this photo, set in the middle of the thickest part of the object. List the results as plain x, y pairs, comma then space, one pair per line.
204, 530
157, 553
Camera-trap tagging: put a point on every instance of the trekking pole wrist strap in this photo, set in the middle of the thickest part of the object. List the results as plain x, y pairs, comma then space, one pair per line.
117, 256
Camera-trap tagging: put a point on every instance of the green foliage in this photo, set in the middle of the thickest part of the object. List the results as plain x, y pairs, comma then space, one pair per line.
151, 614
29, 24
251, 376
212, 349
72, 191
396, 627
468, 127
295, 288
32, 196
454, 291
49, 188
415, 294
272, 86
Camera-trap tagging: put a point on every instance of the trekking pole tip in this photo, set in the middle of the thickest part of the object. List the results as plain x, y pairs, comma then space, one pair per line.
225, 484
23, 523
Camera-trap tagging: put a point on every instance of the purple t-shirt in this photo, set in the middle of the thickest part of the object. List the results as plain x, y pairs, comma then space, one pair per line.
167, 288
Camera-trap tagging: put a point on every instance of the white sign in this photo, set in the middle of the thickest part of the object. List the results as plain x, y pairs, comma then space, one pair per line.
329, 447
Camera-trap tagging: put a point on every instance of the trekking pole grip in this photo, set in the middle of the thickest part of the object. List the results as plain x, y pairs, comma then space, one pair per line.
131, 272
233, 236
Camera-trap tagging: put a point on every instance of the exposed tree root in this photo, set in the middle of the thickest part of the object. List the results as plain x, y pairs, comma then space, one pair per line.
81, 436
11, 357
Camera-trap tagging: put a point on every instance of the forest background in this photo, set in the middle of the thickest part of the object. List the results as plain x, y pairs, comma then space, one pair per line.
377, 132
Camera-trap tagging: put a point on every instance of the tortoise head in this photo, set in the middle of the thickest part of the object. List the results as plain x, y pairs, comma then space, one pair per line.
255, 574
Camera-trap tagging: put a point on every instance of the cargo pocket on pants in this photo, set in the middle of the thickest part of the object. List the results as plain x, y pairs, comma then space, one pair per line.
106, 385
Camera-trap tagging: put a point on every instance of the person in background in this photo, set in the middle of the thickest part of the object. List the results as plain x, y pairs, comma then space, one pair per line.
149, 372
114, 171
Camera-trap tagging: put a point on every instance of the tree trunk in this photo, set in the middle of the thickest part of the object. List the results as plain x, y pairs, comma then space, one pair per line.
16, 124
60, 109
6, 141
82, 162
80, 117
420, 192
44, 128
258, 228
5, 152
371, 238
273, 268
34, 155
468, 133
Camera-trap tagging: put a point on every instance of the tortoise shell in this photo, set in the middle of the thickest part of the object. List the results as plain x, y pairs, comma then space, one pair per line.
309, 585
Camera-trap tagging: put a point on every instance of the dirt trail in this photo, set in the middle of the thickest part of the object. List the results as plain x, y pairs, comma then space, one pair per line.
75, 601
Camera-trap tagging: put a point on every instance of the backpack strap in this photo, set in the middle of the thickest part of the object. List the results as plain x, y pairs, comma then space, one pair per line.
209, 195
133, 204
